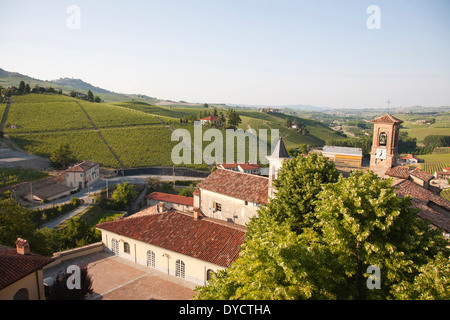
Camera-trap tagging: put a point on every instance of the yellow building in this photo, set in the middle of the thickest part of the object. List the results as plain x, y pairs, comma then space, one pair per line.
345, 156
21, 276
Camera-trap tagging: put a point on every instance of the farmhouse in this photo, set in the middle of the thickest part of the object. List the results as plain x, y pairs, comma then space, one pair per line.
21, 272
209, 120
408, 159
82, 174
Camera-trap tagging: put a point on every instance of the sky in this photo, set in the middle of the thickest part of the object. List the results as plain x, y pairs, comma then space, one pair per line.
323, 53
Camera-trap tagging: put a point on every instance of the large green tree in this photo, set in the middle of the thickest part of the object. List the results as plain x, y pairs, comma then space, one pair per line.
318, 240
62, 155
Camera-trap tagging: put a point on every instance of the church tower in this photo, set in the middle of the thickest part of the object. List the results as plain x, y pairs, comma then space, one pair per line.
276, 159
384, 152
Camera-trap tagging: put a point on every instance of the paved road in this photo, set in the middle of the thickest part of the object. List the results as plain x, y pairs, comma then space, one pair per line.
102, 183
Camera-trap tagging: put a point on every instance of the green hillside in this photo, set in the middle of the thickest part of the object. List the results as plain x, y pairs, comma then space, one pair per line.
126, 134
8, 79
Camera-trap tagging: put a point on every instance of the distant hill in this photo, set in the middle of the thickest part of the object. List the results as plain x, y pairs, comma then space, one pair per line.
8, 78
80, 84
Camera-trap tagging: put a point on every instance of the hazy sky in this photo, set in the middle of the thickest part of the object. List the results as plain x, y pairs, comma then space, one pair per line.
258, 52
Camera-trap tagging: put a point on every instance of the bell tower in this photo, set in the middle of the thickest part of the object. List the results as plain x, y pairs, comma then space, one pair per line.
384, 152
276, 159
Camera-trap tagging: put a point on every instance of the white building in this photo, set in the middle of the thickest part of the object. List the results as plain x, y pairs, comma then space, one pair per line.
82, 174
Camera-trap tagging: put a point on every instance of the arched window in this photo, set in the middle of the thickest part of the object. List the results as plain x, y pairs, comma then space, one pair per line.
22, 294
126, 247
179, 269
115, 246
150, 259
382, 139
209, 273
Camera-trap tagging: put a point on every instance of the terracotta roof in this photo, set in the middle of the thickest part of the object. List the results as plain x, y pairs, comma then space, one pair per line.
179, 232
422, 198
249, 166
409, 156
422, 175
211, 118
244, 166
14, 266
173, 198
82, 166
387, 118
398, 172
244, 186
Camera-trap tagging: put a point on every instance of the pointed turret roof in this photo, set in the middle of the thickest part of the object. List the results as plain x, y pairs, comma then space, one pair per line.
280, 150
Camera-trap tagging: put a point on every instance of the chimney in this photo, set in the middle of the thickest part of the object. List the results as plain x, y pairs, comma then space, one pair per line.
22, 246
161, 207
197, 213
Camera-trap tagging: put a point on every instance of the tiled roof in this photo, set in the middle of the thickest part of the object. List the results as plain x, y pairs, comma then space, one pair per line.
387, 118
249, 166
82, 167
409, 156
202, 239
166, 197
238, 185
422, 199
211, 118
398, 172
14, 266
422, 175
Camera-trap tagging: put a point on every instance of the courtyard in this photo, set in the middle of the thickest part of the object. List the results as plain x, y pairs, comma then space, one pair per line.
115, 278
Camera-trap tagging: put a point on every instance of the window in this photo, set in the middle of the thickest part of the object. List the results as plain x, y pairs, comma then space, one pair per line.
150, 259
209, 274
382, 139
179, 269
217, 206
115, 246
22, 294
126, 247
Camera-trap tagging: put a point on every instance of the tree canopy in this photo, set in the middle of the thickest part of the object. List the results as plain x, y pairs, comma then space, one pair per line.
321, 235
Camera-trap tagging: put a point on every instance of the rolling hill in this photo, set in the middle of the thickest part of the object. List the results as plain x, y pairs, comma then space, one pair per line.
68, 84
127, 134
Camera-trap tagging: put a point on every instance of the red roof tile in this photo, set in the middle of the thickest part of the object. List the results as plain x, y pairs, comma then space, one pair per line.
387, 118
203, 239
244, 186
14, 266
173, 198
422, 199
422, 175
398, 172
82, 166
211, 118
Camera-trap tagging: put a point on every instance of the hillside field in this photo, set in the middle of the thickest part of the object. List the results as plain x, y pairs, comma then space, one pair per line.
131, 133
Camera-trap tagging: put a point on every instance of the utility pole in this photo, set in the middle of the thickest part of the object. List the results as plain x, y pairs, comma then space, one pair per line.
31, 187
